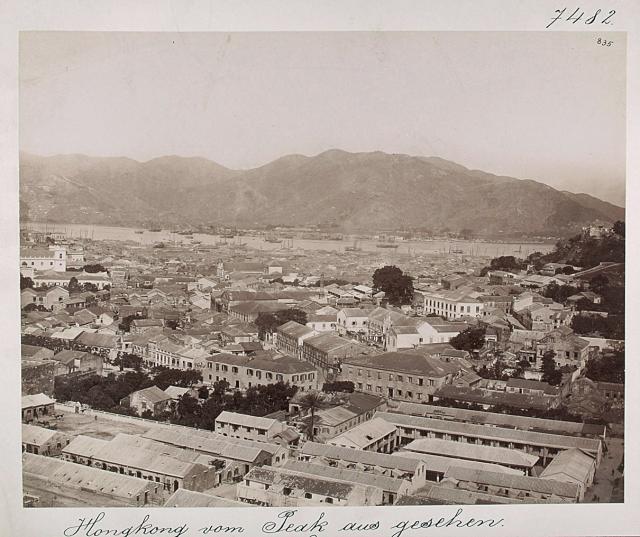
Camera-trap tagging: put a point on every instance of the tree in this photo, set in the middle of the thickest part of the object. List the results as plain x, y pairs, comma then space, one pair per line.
92, 269
89, 287
74, 286
33, 307
125, 322
203, 392
619, 228
130, 361
338, 386
25, 282
397, 286
188, 410
559, 293
469, 339
177, 377
171, 323
311, 402
599, 283
550, 373
608, 368
268, 322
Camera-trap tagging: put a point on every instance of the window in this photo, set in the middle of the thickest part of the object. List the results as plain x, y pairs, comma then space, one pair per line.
234, 369
307, 495
250, 372
368, 387
268, 375
294, 378
410, 380
278, 377
420, 382
400, 378
328, 500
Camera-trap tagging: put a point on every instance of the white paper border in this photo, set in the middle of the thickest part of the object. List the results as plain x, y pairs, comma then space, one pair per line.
298, 15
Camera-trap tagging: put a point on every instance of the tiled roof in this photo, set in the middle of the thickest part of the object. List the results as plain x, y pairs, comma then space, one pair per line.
190, 498
464, 450
525, 483
367, 458
404, 362
492, 433
386, 483
39, 399
64, 474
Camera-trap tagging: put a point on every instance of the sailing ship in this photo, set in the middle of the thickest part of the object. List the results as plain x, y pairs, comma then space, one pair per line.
387, 243
354, 248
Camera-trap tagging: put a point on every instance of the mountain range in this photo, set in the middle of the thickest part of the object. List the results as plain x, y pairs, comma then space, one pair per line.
336, 189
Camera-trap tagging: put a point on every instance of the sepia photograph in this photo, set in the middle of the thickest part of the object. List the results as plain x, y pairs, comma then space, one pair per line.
322, 269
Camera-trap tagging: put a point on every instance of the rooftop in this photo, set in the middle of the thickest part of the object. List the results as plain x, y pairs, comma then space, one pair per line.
405, 362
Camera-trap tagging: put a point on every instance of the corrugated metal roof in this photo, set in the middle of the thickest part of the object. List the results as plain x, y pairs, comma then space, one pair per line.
464, 450
496, 433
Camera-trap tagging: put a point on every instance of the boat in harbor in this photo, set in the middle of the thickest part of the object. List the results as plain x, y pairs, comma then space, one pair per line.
140, 231
354, 248
272, 238
386, 245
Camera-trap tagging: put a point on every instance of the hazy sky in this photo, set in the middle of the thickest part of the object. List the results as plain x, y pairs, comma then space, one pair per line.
533, 105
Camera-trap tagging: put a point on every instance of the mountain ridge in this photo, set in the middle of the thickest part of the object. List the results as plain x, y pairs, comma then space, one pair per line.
335, 189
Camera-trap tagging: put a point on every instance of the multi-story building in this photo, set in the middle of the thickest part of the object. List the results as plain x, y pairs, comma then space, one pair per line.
242, 372
449, 304
352, 321
290, 337
277, 487
52, 258
254, 428
327, 351
372, 435
409, 376
52, 299
381, 320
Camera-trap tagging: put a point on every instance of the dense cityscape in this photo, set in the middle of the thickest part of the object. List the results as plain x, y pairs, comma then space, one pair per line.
298, 367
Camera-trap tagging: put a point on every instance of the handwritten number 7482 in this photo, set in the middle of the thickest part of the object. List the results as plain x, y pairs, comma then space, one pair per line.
578, 14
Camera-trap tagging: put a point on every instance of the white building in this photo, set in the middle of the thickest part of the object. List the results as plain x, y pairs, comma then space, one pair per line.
449, 304
52, 258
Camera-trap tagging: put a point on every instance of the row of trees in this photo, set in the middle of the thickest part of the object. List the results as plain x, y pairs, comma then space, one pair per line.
255, 401
106, 393
608, 368
610, 327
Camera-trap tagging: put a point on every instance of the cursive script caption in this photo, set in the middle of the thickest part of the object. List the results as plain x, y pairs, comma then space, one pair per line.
290, 522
